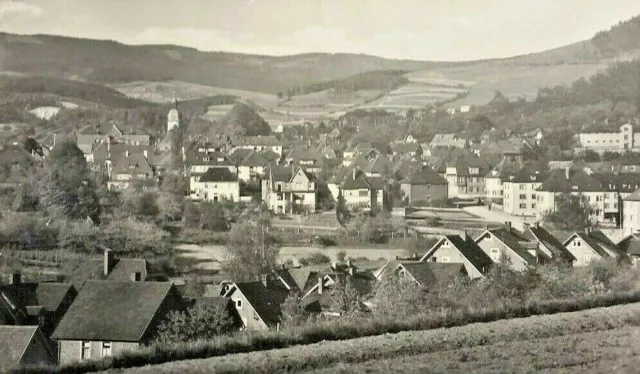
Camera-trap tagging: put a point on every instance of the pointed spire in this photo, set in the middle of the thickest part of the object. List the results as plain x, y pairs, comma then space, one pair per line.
175, 100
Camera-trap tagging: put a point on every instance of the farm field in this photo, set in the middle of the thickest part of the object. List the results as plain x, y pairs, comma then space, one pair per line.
600, 340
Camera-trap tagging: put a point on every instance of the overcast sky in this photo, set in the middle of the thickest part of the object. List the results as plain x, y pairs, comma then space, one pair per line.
413, 29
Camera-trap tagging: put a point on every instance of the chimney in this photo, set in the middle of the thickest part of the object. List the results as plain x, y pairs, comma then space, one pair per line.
334, 266
126, 153
507, 226
265, 280
145, 153
566, 172
16, 278
537, 224
108, 261
136, 276
353, 173
587, 230
320, 286
352, 270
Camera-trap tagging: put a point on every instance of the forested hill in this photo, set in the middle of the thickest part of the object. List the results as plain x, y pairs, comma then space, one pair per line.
112, 62
621, 39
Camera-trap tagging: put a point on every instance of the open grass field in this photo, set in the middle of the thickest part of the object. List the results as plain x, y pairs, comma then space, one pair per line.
603, 340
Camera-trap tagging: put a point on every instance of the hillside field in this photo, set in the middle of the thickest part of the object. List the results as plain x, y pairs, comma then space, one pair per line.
600, 340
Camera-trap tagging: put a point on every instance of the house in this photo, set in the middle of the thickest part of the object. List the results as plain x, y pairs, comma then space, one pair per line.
129, 168
494, 187
286, 189
362, 191
600, 141
464, 173
424, 185
630, 245
23, 347
257, 303
549, 248
306, 157
215, 185
109, 317
448, 140
258, 143
199, 160
520, 191
300, 281
92, 136
414, 149
41, 304
460, 250
631, 216
509, 246
111, 268
425, 274
589, 246
252, 166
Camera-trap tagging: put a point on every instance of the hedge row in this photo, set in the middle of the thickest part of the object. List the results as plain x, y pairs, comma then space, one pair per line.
332, 330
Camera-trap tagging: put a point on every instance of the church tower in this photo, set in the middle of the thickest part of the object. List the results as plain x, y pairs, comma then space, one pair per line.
173, 118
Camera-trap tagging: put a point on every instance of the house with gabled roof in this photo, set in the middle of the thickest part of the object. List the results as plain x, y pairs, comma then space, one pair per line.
259, 304
509, 246
130, 168
460, 250
109, 317
549, 247
286, 189
424, 273
215, 185
252, 166
448, 140
41, 304
464, 173
424, 185
630, 246
24, 347
414, 149
112, 268
258, 143
306, 157
591, 246
362, 191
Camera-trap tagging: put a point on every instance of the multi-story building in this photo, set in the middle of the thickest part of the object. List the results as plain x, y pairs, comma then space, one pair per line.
520, 195
610, 141
287, 189
604, 192
362, 191
465, 175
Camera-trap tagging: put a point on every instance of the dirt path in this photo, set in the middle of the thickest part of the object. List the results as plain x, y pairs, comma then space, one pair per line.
604, 340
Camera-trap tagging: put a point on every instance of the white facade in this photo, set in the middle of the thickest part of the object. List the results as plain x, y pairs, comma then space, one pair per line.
216, 191
600, 201
280, 196
610, 141
631, 217
521, 199
249, 173
362, 197
173, 120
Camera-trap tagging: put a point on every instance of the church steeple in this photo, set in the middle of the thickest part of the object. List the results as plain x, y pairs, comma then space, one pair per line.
173, 118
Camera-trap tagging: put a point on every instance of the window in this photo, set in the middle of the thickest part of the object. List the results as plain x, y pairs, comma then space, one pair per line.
606, 205
523, 206
534, 197
106, 349
533, 206
239, 304
523, 186
363, 193
445, 243
523, 197
445, 259
577, 243
85, 354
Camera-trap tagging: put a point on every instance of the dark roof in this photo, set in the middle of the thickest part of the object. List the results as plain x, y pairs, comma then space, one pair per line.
471, 252
633, 197
121, 270
217, 158
578, 180
266, 302
112, 311
630, 245
47, 295
446, 273
14, 341
299, 280
360, 182
557, 249
405, 147
424, 176
528, 175
593, 243
598, 241
255, 159
239, 154
133, 164
284, 173
420, 271
304, 154
218, 175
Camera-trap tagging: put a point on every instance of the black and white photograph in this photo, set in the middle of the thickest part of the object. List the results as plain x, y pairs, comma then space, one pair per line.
319, 186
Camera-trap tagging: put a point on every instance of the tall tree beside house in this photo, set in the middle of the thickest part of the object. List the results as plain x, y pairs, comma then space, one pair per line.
388, 198
251, 248
345, 297
398, 296
67, 186
343, 215
203, 321
293, 312
572, 213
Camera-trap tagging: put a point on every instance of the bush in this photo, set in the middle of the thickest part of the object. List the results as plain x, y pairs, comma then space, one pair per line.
29, 231
316, 258
136, 238
325, 241
198, 236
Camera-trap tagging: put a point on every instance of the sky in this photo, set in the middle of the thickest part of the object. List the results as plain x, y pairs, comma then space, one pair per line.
443, 30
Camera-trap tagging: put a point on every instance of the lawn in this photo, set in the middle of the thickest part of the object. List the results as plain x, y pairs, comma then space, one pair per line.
597, 340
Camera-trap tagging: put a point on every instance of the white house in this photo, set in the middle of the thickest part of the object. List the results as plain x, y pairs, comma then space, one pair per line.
215, 185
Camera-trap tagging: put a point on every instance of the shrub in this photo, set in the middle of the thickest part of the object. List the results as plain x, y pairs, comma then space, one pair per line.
316, 258
341, 256
325, 241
